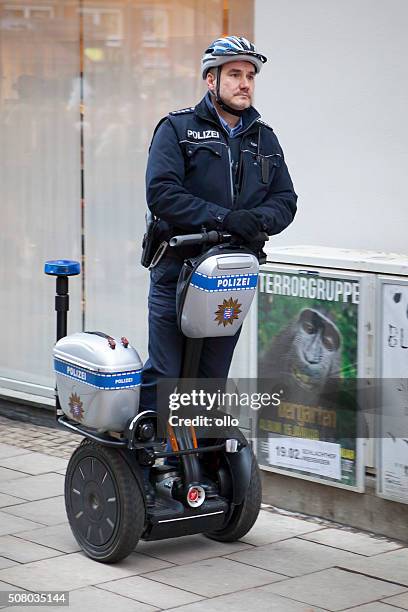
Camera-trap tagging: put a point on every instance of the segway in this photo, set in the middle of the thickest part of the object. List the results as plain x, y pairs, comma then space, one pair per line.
201, 484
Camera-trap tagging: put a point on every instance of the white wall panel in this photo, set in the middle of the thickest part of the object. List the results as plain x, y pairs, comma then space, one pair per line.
335, 91
39, 184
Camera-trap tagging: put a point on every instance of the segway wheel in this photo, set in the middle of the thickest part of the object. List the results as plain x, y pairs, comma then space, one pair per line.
104, 504
244, 515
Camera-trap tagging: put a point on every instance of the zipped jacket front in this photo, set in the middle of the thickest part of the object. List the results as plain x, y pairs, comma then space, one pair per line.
190, 182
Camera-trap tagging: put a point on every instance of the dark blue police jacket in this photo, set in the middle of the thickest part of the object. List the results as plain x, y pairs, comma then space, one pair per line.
191, 183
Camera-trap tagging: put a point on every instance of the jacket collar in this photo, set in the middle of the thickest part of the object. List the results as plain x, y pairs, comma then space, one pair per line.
248, 117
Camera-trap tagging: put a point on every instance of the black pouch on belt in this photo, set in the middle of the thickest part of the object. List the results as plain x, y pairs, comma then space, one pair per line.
151, 239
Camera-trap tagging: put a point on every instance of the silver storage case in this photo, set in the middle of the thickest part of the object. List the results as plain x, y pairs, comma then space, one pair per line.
98, 386
219, 295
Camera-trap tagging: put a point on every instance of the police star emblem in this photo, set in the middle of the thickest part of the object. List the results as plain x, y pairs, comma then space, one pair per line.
227, 312
75, 406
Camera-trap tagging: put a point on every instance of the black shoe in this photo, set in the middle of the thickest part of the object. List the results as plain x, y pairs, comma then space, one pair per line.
150, 493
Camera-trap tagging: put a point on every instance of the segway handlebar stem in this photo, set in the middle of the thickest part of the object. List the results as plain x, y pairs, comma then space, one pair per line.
211, 237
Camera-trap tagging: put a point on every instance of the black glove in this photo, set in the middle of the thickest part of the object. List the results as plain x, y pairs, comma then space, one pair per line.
242, 223
256, 246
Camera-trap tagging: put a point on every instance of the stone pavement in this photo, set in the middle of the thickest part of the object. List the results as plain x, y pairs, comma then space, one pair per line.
285, 564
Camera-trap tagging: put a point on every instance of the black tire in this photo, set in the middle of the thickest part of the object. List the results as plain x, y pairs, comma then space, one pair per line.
104, 504
243, 516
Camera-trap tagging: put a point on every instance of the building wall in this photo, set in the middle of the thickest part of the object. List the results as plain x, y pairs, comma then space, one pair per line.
82, 85
335, 91
39, 181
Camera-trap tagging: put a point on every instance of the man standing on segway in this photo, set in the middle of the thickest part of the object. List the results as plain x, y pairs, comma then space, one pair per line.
213, 166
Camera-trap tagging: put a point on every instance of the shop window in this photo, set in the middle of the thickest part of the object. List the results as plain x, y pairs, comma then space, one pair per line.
30, 13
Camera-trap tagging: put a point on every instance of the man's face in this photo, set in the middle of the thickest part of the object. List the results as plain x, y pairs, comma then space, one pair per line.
237, 84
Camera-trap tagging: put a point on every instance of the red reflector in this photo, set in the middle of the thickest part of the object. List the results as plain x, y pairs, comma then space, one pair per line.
111, 342
193, 495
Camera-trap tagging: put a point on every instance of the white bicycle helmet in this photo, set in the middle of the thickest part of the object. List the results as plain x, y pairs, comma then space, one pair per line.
230, 49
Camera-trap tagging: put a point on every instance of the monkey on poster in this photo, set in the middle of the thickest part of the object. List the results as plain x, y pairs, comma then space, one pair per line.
304, 358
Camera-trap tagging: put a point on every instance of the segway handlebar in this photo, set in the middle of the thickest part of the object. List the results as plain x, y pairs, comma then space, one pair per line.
211, 237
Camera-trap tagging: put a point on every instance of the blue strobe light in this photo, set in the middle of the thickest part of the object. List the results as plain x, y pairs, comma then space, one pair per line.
62, 267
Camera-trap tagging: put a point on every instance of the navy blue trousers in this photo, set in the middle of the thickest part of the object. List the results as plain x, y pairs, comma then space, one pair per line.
166, 341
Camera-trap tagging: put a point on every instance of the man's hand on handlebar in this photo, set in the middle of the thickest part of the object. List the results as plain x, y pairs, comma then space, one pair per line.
244, 224
215, 237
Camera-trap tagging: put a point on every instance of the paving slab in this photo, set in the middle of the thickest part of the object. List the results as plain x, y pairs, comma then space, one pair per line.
6, 562
7, 450
271, 527
213, 577
35, 487
73, 571
152, 593
91, 598
293, 557
400, 601
5, 586
10, 524
189, 548
34, 463
391, 566
244, 601
45, 511
376, 606
333, 589
58, 537
23, 551
360, 543
10, 500
7, 474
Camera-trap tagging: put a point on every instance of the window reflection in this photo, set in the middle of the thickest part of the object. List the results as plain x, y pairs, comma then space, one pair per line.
140, 60
153, 69
39, 179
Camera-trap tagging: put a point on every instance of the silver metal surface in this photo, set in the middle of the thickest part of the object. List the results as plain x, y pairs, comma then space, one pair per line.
218, 297
85, 359
231, 445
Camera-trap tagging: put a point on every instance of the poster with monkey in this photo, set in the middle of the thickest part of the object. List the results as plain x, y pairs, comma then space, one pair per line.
307, 352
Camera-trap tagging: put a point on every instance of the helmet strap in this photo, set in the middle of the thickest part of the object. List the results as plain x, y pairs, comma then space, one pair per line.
218, 99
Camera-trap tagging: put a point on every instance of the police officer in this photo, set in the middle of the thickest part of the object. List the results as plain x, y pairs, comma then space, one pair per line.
218, 166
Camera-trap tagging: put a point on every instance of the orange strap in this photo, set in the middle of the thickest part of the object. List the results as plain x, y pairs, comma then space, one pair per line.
173, 441
193, 433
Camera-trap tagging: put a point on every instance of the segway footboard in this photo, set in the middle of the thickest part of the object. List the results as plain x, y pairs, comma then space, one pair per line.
170, 518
